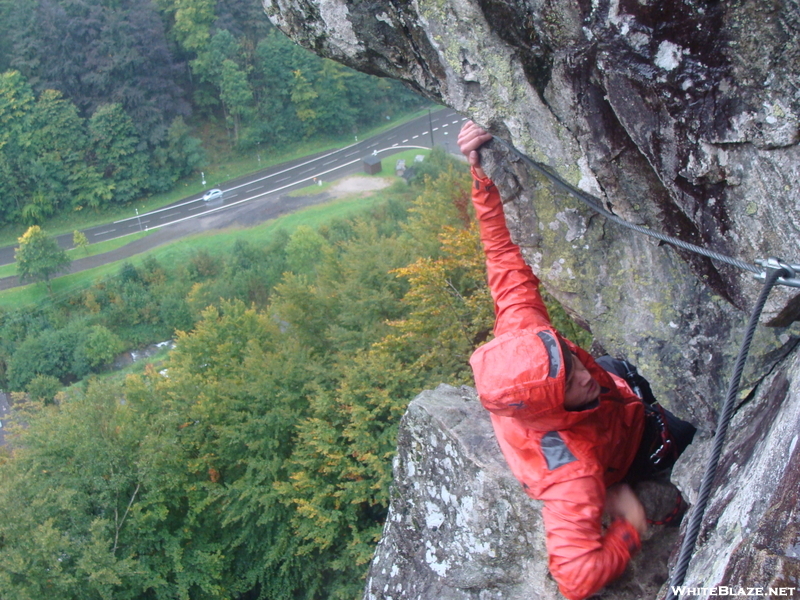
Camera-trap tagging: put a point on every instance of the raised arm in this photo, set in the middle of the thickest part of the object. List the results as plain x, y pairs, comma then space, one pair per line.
515, 289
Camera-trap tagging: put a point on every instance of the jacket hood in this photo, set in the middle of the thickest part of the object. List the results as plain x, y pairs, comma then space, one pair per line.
521, 374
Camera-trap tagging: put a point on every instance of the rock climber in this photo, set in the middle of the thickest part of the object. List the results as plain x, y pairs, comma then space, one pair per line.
573, 431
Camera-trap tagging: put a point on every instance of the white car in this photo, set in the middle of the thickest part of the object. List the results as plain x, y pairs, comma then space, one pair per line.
212, 195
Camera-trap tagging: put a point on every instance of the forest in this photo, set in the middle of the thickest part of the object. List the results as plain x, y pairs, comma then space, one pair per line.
105, 101
255, 462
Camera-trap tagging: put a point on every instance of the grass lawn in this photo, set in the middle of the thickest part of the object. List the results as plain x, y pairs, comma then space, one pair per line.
236, 165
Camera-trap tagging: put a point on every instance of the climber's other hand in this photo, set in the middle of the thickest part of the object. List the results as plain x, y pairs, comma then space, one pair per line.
622, 503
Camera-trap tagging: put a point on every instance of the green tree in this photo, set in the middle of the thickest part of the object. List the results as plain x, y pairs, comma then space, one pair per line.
43, 155
100, 347
303, 97
43, 388
60, 143
335, 113
16, 103
235, 94
305, 250
192, 21
181, 155
276, 58
117, 153
70, 497
79, 240
38, 257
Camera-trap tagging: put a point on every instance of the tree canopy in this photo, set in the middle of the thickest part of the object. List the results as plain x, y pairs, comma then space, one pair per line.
255, 461
39, 257
102, 102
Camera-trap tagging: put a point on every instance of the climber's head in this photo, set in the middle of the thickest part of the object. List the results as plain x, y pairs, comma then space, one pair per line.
580, 388
524, 374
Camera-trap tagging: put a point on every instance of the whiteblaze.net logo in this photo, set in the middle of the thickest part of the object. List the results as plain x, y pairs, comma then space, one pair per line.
683, 591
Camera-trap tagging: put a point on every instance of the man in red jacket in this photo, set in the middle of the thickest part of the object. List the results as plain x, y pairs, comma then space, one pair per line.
572, 432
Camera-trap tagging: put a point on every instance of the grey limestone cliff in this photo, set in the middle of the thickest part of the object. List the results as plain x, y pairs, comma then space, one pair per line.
681, 115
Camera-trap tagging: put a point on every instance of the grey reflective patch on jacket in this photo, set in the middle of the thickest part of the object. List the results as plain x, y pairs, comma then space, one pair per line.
555, 451
551, 345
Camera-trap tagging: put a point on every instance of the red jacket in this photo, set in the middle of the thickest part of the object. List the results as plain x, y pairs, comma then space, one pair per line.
565, 458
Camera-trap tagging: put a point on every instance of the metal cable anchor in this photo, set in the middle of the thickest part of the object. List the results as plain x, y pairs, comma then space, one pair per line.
773, 263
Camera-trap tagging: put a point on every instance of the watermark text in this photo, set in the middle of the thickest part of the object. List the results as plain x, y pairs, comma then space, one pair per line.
683, 591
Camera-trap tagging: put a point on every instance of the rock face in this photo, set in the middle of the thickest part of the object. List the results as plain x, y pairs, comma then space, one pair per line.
682, 115
458, 519
460, 526
751, 530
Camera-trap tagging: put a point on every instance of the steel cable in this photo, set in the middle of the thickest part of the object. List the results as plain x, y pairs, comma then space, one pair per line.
696, 519
597, 205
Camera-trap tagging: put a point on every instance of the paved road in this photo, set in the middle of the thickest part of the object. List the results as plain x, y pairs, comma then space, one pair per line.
440, 128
